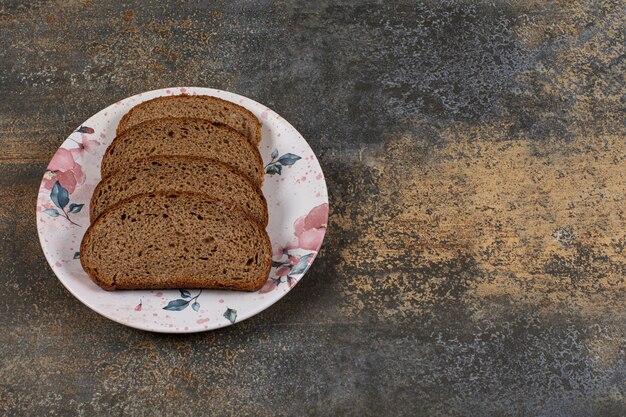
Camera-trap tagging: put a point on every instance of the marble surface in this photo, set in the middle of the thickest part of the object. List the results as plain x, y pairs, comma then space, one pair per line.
475, 155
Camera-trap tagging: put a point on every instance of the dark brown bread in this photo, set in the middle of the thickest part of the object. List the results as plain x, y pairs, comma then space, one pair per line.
180, 173
184, 137
176, 240
205, 107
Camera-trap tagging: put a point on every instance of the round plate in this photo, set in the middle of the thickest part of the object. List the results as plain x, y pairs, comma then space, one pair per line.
298, 211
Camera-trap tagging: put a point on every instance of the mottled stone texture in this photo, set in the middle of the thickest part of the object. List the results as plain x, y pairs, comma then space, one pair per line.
476, 161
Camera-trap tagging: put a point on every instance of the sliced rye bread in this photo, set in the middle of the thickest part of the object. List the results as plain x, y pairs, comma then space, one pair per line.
205, 107
176, 240
180, 173
184, 137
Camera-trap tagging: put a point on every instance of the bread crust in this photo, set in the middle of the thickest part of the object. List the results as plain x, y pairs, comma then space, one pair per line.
106, 158
223, 166
181, 283
122, 126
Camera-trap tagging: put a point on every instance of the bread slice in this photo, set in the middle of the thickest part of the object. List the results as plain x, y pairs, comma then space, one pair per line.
205, 107
184, 137
176, 240
180, 173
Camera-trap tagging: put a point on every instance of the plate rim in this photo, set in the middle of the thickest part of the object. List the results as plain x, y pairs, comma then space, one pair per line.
246, 314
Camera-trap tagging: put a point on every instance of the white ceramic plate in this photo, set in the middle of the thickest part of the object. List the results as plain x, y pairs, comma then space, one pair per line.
298, 211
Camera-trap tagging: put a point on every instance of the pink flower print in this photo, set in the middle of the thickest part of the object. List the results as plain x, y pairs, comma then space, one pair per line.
310, 229
311, 239
309, 232
64, 169
317, 217
269, 286
278, 251
85, 145
283, 271
61, 161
